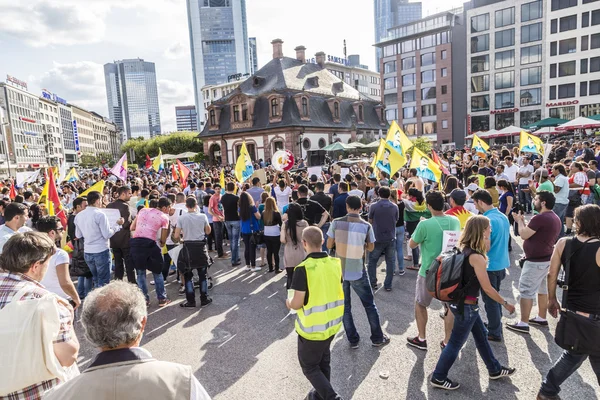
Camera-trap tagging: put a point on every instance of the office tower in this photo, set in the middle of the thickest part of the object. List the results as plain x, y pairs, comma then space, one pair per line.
218, 44
391, 13
186, 118
132, 97
253, 55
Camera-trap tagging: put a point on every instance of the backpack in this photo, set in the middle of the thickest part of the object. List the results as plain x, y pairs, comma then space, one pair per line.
595, 191
444, 279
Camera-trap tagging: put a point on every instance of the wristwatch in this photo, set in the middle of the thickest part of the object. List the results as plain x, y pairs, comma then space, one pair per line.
505, 303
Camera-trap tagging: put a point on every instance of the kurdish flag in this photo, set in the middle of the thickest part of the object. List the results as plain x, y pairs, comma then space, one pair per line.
426, 168
158, 162
397, 140
96, 187
481, 148
388, 159
531, 144
243, 166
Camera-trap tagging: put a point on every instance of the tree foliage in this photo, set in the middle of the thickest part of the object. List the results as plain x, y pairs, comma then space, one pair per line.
175, 143
422, 144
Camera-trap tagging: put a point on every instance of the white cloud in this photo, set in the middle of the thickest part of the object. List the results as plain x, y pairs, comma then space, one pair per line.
176, 51
172, 94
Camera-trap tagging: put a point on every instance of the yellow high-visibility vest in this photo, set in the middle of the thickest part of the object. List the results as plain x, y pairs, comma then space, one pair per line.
322, 316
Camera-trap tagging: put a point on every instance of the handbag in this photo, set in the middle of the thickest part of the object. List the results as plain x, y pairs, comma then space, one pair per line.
258, 235
576, 332
78, 266
574, 198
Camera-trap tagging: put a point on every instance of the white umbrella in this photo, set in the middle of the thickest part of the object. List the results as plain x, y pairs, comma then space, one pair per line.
510, 130
488, 134
579, 123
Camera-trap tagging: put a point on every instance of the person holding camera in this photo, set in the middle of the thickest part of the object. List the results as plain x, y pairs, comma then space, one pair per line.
538, 237
581, 256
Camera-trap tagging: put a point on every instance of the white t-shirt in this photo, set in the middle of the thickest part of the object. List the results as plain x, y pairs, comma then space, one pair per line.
282, 196
511, 172
50, 280
524, 170
562, 197
180, 209
357, 192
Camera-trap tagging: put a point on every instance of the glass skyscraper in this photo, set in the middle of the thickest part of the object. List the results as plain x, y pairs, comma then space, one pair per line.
132, 96
391, 13
218, 44
253, 56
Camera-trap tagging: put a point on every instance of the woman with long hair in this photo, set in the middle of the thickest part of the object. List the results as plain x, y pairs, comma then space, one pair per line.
249, 225
450, 185
489, 184
474, 243
271, 220
291, 237
505, 204
210, 239
263, 246
415, 208
399, 231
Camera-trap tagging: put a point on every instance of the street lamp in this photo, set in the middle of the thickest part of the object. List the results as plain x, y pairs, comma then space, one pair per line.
300, 136
334, 137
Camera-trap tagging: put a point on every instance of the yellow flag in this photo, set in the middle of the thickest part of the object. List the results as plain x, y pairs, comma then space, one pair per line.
398, 140
96, 187
426, 168
481, 148
531, 144
158, 162
388, 159
222, 179
243, 166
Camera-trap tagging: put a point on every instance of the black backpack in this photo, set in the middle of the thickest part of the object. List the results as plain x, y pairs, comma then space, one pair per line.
445, 276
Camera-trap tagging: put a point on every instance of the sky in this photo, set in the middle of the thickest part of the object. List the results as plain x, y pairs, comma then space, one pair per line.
62, 45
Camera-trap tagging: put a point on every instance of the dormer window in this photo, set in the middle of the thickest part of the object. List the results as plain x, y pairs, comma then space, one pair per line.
360, 113
213, 121
304, 107
244, 112
274, 107
236, 113
336, 110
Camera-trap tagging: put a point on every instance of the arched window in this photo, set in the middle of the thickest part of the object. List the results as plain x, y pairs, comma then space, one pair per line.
336, 110
277, 145
274, 107
304, 107
360, 112
322, 143
212, 118
306, 144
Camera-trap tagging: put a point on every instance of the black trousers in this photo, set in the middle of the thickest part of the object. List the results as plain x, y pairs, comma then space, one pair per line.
290, 274
273, 245
210, 239
315, 360
249, 250
167, 262
123, 264
190, 291
219, 230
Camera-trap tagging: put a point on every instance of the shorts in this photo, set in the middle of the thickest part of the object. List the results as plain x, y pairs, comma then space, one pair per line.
534, 279
422, 296
570, 213
261, 246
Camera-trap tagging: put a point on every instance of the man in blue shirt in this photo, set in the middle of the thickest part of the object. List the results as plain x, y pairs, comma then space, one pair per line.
383, 215
339, 204
498, 259
333, 190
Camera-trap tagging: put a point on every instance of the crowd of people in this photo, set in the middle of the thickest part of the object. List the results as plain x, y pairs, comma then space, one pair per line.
333, 231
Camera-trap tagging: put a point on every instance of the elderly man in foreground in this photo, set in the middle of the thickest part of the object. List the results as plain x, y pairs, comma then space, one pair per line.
114, 318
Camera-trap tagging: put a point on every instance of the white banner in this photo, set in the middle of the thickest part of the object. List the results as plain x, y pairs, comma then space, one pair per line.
450, 240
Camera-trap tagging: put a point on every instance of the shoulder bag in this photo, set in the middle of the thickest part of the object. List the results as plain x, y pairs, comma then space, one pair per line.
575, 332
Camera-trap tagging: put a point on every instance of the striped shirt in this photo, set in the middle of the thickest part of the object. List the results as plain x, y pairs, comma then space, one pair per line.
351, 233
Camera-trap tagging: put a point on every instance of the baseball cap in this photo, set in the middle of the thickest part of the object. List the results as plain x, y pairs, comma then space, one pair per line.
458, 195
472, 187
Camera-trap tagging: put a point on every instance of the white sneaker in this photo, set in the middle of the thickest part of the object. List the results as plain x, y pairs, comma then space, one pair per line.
255, 269
247, 268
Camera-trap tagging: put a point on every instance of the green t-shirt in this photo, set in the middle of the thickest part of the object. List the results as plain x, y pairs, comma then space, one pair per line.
430, 235
547, 186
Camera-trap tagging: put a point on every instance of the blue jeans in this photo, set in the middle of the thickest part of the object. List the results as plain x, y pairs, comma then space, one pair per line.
362, 288
159, 284
84, 286
99, 264
525, 197
233, 230
566, 365
492, 307
561, 210
388, 249
467, 322
400, 247
324, 229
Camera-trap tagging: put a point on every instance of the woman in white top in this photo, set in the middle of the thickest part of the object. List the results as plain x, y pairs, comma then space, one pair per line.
271, 219
283, 191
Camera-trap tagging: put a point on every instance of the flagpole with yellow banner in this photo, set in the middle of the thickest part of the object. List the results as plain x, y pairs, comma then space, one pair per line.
398, 142
481, 148
97, 187
529, 143
243, 166
425, 166
388, 160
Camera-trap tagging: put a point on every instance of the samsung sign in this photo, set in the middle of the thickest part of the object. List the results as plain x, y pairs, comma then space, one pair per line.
76, 135
53, 97
333, 59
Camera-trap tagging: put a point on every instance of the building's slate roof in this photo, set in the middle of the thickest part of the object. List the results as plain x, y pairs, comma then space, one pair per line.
288, 77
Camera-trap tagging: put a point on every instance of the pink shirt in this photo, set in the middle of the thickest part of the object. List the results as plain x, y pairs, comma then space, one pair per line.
149, 222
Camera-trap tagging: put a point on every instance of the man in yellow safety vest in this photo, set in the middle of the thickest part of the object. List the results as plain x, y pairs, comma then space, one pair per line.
319, 299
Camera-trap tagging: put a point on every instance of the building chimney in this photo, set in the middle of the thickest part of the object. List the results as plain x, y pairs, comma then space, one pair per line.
320, 58
301, 53
277, 48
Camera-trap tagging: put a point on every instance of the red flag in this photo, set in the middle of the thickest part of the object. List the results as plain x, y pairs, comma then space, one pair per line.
184, 172
437, 160
55, 207
13, 192
174, 173
148, 162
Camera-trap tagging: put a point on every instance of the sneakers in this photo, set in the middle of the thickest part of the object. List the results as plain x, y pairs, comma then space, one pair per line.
415, 342
534, 321
503, 373
354, 345
187, 304
386, 340
542, 396
518, 328
163, 302
401, 272
388, 289
182, 291
206, 301
247, 268
255, 269
235, 264
443, 345
446, 384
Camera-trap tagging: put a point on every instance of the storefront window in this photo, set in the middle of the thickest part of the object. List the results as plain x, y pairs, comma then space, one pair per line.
480, 123
529, 117
503, 120
563, 112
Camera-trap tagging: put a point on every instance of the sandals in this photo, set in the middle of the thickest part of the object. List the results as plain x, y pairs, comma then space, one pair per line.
408, 258
187, 304
413, 268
